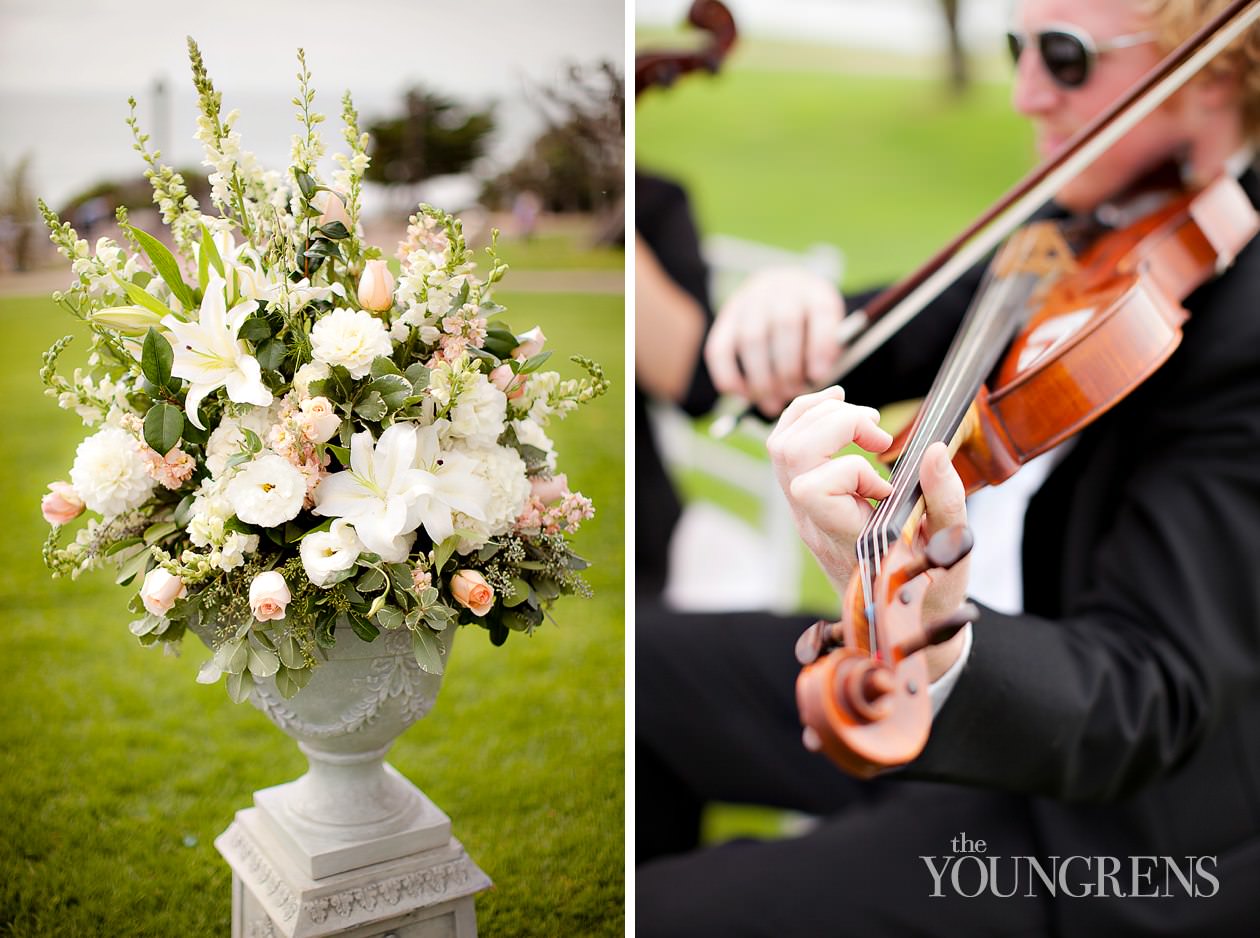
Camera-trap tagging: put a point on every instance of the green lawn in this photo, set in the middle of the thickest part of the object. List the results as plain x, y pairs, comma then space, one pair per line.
117, 770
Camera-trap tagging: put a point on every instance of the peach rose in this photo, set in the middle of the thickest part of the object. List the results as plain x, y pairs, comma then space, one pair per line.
331, 206
503, 379
376, 287
268, 596
62, 503
548, 490
530, 343
471, 590
160, 590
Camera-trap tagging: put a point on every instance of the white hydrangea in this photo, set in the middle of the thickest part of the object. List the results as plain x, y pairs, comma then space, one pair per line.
479, 412
110, 474
500, 474
531, 434
350, 338
267, 491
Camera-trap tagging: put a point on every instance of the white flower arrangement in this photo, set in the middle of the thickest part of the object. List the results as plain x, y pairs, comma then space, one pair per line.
288, 441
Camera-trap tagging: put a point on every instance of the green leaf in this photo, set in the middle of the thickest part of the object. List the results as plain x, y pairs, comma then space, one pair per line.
132, 567
271, 355
363, 628
498, 633
341, 452
371, 581
210, 251
239, 686
335, 230
157, 358
520, 592
121, 545
429, 595
255, 329
163, 425
372, 407
533, 364
390, 617
155, 532
382, 366
418, 375
165, 264
307, 184
290, 654
442, 553
427, 650
140, 298
262, 661
286, 685
393, 389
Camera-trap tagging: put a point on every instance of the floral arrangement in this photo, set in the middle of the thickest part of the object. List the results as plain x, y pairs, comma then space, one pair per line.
287, 442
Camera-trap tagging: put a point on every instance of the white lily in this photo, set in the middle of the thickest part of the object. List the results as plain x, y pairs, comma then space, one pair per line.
209, 355
447, 484
375, 494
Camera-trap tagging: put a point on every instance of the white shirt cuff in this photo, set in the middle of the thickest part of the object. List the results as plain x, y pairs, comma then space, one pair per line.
940, 689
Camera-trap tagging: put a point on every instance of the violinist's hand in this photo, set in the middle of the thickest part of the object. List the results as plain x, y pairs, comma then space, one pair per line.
775, 337
828, 497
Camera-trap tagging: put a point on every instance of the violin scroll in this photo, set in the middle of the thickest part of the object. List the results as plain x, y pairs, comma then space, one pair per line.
862, 694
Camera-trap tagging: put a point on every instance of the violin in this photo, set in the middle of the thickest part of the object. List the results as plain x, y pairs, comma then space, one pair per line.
1058, 334
664, 68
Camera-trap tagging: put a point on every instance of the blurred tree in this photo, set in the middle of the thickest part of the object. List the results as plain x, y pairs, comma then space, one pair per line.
958, 75
434, 136
18, 218
578, 163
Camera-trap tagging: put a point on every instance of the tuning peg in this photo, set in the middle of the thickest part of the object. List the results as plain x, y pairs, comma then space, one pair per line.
820, 637
948, 546
938, 632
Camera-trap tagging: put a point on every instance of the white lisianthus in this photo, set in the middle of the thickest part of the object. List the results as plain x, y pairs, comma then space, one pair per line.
500, 474
267, 491
327, 552
350, 338
110, 473
530, 434
479, 411
210, 356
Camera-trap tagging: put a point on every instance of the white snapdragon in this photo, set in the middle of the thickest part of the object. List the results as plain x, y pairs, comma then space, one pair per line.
350, 338
267, 491
110, 472
325, 553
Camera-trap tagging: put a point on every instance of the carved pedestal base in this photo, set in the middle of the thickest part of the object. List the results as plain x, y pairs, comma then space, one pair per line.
428, 894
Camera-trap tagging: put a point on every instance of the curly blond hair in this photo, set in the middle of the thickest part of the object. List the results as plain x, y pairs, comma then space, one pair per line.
1174, 21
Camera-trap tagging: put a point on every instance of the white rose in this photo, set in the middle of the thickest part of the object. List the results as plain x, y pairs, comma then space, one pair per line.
327, 552
110, 474
267, 491
479, 412
268, 596
531, 434
160, 590
350, 338
311, 371
319, 421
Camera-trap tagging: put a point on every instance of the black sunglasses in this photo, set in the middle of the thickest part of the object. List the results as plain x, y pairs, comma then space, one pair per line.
1069, 53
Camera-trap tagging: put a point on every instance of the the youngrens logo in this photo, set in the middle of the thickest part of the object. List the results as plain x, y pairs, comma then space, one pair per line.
970, 871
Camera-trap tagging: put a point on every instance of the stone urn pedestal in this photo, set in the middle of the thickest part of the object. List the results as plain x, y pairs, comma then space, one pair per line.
351, 848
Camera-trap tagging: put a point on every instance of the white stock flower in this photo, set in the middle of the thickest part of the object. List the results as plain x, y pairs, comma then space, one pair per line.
209, 355
267, 491
327, 552
350, 338
232, 554
110, 473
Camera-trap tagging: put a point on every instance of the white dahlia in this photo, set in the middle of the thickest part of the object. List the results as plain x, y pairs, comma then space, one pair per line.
350, 338
267, 491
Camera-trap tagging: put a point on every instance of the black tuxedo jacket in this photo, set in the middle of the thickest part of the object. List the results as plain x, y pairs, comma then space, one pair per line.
1126, 697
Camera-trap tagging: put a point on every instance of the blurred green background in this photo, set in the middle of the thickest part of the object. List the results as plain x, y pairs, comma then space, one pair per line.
117, 770
793, 144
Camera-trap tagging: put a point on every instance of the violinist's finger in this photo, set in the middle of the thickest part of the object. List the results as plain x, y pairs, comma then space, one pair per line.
943, 494
787, 350
834, 494
802, 404
824, 312
822, 431
720, 357
752, 342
